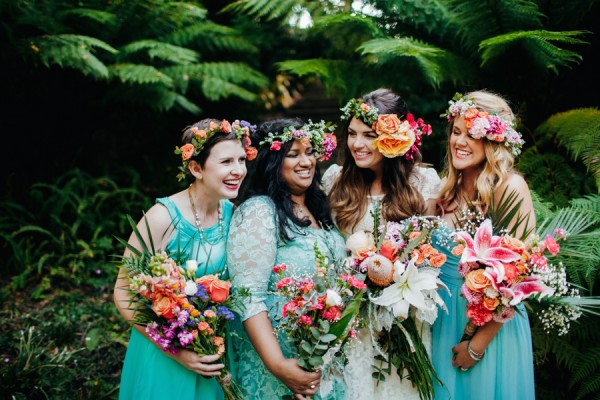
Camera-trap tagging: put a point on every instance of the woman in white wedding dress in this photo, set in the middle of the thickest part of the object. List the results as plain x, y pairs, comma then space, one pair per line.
380, 167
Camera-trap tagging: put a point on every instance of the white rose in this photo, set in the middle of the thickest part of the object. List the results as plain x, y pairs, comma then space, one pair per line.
191, 266
333, 298
190, 288
360, 243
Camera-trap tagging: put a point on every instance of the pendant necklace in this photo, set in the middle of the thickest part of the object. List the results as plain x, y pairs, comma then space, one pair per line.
198, 223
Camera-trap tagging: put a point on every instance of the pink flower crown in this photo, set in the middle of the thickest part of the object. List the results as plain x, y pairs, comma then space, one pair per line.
320, 135
480, 124
242, 130
396, 137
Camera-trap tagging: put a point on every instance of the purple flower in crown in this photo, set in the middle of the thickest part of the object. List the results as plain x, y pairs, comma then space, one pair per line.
298, 134
246, 124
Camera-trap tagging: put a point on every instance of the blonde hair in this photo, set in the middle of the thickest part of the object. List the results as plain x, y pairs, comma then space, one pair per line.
499, 161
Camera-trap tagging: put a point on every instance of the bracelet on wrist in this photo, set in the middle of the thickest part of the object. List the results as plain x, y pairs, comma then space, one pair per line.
474, 355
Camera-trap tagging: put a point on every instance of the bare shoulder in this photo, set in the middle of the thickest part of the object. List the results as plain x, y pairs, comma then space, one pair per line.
515, 182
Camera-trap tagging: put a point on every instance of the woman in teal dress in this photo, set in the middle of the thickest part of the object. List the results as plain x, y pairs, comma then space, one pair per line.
285, 214
194, 224
497, 362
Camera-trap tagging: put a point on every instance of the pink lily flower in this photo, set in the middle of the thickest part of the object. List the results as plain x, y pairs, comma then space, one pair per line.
527, 287
485, 248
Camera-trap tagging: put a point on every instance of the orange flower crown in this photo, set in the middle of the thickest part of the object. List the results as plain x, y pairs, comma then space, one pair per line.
242, 130
396, 137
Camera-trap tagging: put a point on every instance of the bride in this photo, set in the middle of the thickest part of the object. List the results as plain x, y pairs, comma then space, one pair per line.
379, 169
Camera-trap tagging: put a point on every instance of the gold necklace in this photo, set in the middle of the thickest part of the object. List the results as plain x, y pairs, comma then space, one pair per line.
198, 223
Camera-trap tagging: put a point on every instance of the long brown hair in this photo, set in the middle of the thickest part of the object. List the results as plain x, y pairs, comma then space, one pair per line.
348, 196
498, 165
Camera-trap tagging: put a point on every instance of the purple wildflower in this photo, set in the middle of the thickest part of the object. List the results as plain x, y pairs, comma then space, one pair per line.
224, 311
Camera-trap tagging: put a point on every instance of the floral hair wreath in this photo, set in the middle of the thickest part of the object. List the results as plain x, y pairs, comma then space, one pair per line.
241, 129
320, 135
396, 137
481, 124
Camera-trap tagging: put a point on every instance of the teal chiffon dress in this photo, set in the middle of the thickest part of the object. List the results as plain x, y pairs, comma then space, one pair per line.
506, 371
147, 371
253, 249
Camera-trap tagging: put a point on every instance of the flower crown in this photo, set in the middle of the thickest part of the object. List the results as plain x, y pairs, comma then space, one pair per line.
320, 135
396, 137
481, 124
241, 129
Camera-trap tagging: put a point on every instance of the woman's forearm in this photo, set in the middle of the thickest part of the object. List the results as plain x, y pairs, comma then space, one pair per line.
261, 335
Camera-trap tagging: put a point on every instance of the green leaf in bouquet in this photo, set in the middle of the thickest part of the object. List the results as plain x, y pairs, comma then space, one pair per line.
315, 332
328, 338
306, 347
341, 327
302, 363
315, 361
324, 324
323, 347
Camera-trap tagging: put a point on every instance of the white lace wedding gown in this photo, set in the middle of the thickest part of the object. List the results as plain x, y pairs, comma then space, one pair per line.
360, 353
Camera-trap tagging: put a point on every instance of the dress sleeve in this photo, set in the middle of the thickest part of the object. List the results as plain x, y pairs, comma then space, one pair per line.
251, 251
426, 181
329, 177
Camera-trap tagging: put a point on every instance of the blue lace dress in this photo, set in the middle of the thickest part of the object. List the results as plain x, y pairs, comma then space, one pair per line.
506, 371
253, 249
147, 372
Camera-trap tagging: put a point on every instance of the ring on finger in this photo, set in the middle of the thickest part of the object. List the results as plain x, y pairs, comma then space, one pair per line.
312, 386
464, 369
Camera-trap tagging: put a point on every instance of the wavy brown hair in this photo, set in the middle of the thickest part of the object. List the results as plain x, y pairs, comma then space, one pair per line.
498, 165
349, 194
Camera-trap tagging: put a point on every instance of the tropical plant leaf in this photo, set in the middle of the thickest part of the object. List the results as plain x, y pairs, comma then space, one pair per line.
107, 19
425, 55
266, 9
160, 50
538, 42
140, 73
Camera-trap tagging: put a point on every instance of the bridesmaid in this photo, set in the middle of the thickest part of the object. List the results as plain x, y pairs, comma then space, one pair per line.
284, 216
194, 221
497, 363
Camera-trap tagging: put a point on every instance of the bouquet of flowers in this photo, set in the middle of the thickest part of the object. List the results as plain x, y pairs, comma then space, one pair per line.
502, 271
181, 311
320, 311
401, 269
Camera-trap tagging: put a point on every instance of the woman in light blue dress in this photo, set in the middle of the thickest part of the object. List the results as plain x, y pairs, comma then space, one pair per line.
497, 362
285, 214
192, 224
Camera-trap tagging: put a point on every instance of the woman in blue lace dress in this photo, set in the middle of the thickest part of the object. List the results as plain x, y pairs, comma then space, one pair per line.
193, 223
497, 362
284, 215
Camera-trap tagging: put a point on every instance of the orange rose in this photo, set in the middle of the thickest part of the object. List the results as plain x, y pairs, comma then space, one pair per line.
490, 303
210, 314
218, 340
513, 244
511, 272
219, 290
477, 281
387, 124
388, 250
206, 281
396, 145
419, 255
225, 126
364, 107
164, 307
187, 151
437, 260
471, 113
427, 250
413, 235
213, 126
458, 250
251, 153
202, 326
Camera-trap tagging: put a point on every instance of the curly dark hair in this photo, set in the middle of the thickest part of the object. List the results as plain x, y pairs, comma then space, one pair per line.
266, 180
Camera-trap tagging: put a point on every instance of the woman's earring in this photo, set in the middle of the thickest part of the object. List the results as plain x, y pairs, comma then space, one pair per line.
200, 176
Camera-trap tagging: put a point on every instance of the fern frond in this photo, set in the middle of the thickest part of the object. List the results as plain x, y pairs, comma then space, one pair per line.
215, 89
267, 10
589, 203
234, 72
335, 74
542, 209
478, 20
211, 37
160, 50
70, 51
579, 131
587, 365
538, 44
103, 17
432, 16
139, 73
426, 56
335, 24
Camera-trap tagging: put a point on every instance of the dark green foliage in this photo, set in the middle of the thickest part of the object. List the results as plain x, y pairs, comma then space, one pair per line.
63, 237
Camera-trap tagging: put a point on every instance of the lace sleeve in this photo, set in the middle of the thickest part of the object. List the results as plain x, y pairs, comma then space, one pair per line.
426, 181
251, 251
329, 177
